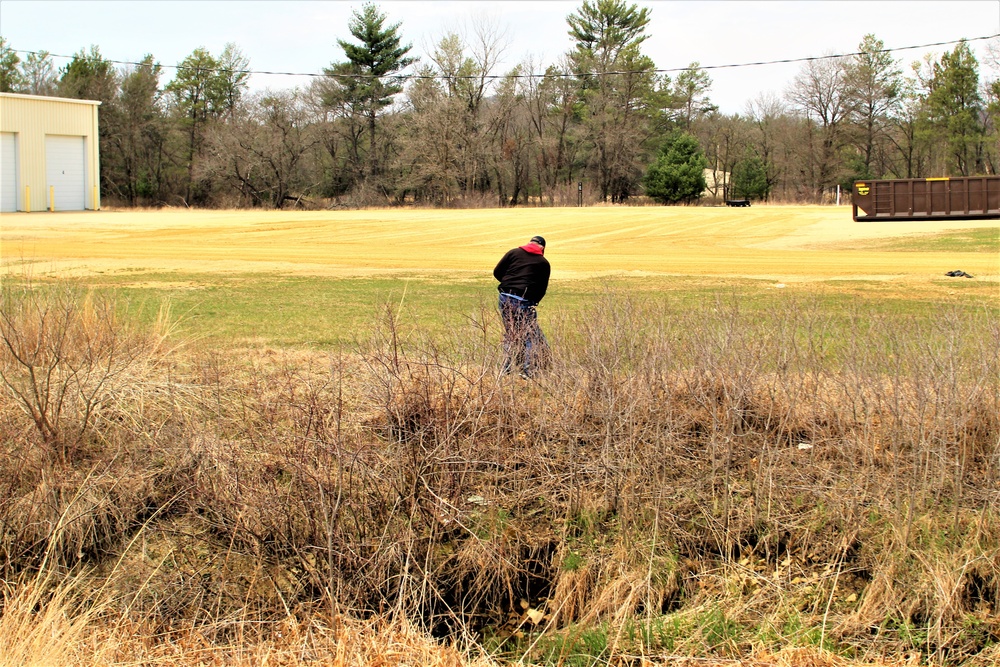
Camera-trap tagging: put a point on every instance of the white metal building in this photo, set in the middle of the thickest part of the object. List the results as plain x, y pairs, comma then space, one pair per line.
48, 154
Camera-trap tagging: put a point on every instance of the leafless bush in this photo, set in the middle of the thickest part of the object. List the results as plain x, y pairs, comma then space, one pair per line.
85, 403
66, 358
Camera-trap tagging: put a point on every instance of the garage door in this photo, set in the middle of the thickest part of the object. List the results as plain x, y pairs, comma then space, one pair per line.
65, 170
8, 172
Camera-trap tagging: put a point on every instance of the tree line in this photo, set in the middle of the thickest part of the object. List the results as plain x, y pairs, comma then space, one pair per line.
383, 127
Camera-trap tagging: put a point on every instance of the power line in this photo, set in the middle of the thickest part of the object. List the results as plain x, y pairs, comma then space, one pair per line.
415, 76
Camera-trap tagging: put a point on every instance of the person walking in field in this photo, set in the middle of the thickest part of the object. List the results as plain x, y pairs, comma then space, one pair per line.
523, 274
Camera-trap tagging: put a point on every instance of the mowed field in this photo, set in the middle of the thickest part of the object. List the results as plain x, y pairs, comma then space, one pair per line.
781, 243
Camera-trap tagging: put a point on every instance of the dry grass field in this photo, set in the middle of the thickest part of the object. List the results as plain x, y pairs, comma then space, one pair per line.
780, 243
711, 471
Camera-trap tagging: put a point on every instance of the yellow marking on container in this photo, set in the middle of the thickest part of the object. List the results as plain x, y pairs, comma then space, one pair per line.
941, 178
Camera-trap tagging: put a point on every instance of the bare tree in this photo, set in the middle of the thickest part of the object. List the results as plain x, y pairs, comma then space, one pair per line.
262, 151
453, 112
542, 100
512, 140
767, 113
431, 136
725, 139
464, 90
38, 74
817, 94
234, 76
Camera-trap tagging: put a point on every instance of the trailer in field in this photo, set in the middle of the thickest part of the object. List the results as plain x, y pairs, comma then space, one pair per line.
927, 198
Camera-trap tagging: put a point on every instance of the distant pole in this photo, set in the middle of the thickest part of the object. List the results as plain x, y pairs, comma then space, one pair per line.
838, 194
579, 193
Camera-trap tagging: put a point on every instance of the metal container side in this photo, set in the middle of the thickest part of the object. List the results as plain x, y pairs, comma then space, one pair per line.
926, 198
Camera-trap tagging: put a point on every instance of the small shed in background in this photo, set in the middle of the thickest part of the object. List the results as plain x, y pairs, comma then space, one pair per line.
48, 154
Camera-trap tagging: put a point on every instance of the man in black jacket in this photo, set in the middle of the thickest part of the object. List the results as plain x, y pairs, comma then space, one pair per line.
524, 277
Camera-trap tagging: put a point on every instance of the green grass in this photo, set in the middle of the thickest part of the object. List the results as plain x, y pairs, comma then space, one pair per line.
293, 311
983, 239
335, 313
707, 632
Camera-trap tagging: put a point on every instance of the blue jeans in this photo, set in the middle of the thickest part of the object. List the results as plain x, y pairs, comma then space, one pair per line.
524, 343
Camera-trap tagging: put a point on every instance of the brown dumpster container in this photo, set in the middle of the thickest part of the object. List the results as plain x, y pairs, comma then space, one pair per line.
927, 198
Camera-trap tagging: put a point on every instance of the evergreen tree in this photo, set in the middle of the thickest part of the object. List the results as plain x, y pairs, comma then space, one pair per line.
749, 177
368, 80
199, 95
991, 159
10, 74
88, 76
690, 91
954, 109
138, 149
603, 30
873, 93
678, 175
617, 83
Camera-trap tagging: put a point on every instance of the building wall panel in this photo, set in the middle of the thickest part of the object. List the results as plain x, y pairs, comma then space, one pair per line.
31, 119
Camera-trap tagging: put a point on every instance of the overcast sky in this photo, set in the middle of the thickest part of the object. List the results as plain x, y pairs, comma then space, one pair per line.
301, 36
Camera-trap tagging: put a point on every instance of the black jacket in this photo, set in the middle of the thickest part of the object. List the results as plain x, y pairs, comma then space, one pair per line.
524, 274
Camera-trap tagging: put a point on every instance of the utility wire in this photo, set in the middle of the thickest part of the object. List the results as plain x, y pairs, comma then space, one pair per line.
450, 77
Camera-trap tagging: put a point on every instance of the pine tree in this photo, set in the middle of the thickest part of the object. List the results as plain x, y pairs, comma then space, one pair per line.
368, 80
616, 84
954, 107
10, 75
873, 85
749, 177
678, 175
198, 96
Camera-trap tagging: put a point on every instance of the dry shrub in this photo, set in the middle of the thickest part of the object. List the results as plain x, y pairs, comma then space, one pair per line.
75, 366
670, 462
94, 422
449, 495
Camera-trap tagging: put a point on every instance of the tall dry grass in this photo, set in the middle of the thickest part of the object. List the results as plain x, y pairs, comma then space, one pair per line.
716, 482
47, 624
